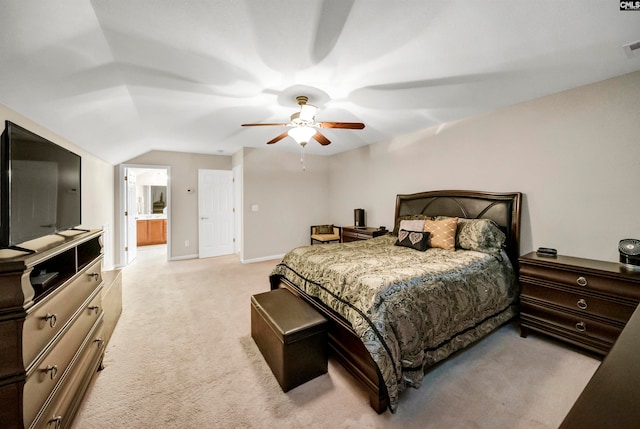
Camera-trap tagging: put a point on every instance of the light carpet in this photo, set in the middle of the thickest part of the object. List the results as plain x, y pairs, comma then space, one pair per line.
182, 357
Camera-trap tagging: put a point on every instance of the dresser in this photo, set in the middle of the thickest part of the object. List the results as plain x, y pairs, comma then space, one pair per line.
51, 330
582, 301
351, 233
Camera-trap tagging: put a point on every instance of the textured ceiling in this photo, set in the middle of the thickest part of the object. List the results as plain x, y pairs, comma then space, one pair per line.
122, 77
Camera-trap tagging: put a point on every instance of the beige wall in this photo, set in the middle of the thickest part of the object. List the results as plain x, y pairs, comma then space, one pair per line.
289, 200
183, 206
97, 178
575, 155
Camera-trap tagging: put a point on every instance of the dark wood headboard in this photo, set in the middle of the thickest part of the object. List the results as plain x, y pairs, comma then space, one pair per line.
502, 208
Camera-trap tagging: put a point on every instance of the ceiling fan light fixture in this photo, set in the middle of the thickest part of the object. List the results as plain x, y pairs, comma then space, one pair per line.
301, 135
306, 115
308, 112
303, 125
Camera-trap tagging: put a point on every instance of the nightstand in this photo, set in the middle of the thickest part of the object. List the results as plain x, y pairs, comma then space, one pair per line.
351, 233
582, 301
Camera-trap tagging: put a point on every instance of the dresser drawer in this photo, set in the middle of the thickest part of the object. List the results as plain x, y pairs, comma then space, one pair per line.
49, 316
47, 372
569, 325
60, 411
582, 279
576, 301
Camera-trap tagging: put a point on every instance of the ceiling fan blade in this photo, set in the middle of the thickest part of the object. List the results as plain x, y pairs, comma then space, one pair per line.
278, 138
321, 139
347, 125
265, 125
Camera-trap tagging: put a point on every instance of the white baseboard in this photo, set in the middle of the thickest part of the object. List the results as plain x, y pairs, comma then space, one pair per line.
244, 261
262, 259
180, 258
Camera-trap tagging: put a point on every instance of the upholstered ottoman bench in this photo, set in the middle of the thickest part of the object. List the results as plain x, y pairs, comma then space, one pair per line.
291, 336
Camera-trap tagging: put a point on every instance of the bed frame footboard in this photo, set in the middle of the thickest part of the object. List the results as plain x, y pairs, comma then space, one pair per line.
347, 348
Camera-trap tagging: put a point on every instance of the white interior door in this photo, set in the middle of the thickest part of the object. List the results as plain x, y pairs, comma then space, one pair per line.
237, 208
215, 213
131, 214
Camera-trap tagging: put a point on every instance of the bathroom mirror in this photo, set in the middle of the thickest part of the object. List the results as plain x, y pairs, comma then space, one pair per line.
153, 200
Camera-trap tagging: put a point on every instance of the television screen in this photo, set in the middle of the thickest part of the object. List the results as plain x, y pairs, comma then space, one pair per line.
40, 187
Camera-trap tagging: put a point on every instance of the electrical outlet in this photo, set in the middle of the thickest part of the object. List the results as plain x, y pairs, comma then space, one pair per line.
186, 243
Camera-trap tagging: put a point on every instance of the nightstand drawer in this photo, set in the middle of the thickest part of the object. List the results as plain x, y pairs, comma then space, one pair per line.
357, 236
583, 301
567, 325
576, 301
351, 233
584, 280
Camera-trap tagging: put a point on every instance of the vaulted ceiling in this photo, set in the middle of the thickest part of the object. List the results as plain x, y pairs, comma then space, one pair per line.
122, 77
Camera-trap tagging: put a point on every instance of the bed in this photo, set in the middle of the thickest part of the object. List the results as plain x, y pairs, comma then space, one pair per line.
394, 311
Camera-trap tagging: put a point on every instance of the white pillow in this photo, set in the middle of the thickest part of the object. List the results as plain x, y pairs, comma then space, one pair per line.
412, 225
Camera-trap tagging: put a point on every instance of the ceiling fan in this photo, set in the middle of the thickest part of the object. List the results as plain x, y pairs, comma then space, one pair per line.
303, 125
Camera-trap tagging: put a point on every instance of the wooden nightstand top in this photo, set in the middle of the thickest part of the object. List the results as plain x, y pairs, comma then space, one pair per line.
572, 263
365, 229
352, 233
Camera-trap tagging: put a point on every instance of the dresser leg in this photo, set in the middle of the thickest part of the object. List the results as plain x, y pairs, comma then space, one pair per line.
524, 331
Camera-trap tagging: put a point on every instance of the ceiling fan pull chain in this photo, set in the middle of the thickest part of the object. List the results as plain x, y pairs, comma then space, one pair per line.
302, 158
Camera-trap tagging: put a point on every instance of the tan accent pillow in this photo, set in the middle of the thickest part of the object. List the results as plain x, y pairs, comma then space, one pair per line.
442, 232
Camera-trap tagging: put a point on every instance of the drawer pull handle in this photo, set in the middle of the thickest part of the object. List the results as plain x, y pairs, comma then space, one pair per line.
582, 304
52, 370
56, 420
94, 275
52, 319
581, 281
100, 342
94, 308
581, 326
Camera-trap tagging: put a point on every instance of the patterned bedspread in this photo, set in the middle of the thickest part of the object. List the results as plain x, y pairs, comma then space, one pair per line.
410, 308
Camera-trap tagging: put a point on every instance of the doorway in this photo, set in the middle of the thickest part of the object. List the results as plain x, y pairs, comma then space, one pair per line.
145, 220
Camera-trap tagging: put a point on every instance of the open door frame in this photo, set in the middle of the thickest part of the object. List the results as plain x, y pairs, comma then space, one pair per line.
121, 204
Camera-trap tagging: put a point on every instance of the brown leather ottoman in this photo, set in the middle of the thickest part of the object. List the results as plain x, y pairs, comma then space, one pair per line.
291, 336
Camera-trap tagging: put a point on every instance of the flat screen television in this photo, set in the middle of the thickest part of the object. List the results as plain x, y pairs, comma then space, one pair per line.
39, 187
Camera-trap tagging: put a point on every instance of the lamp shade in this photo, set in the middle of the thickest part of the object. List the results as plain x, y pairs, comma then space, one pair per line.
302, 134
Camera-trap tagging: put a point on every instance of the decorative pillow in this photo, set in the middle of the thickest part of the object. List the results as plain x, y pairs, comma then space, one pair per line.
461, 223
324, 229
482, 235
443, 232
418, 240
412, 225
408, 217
